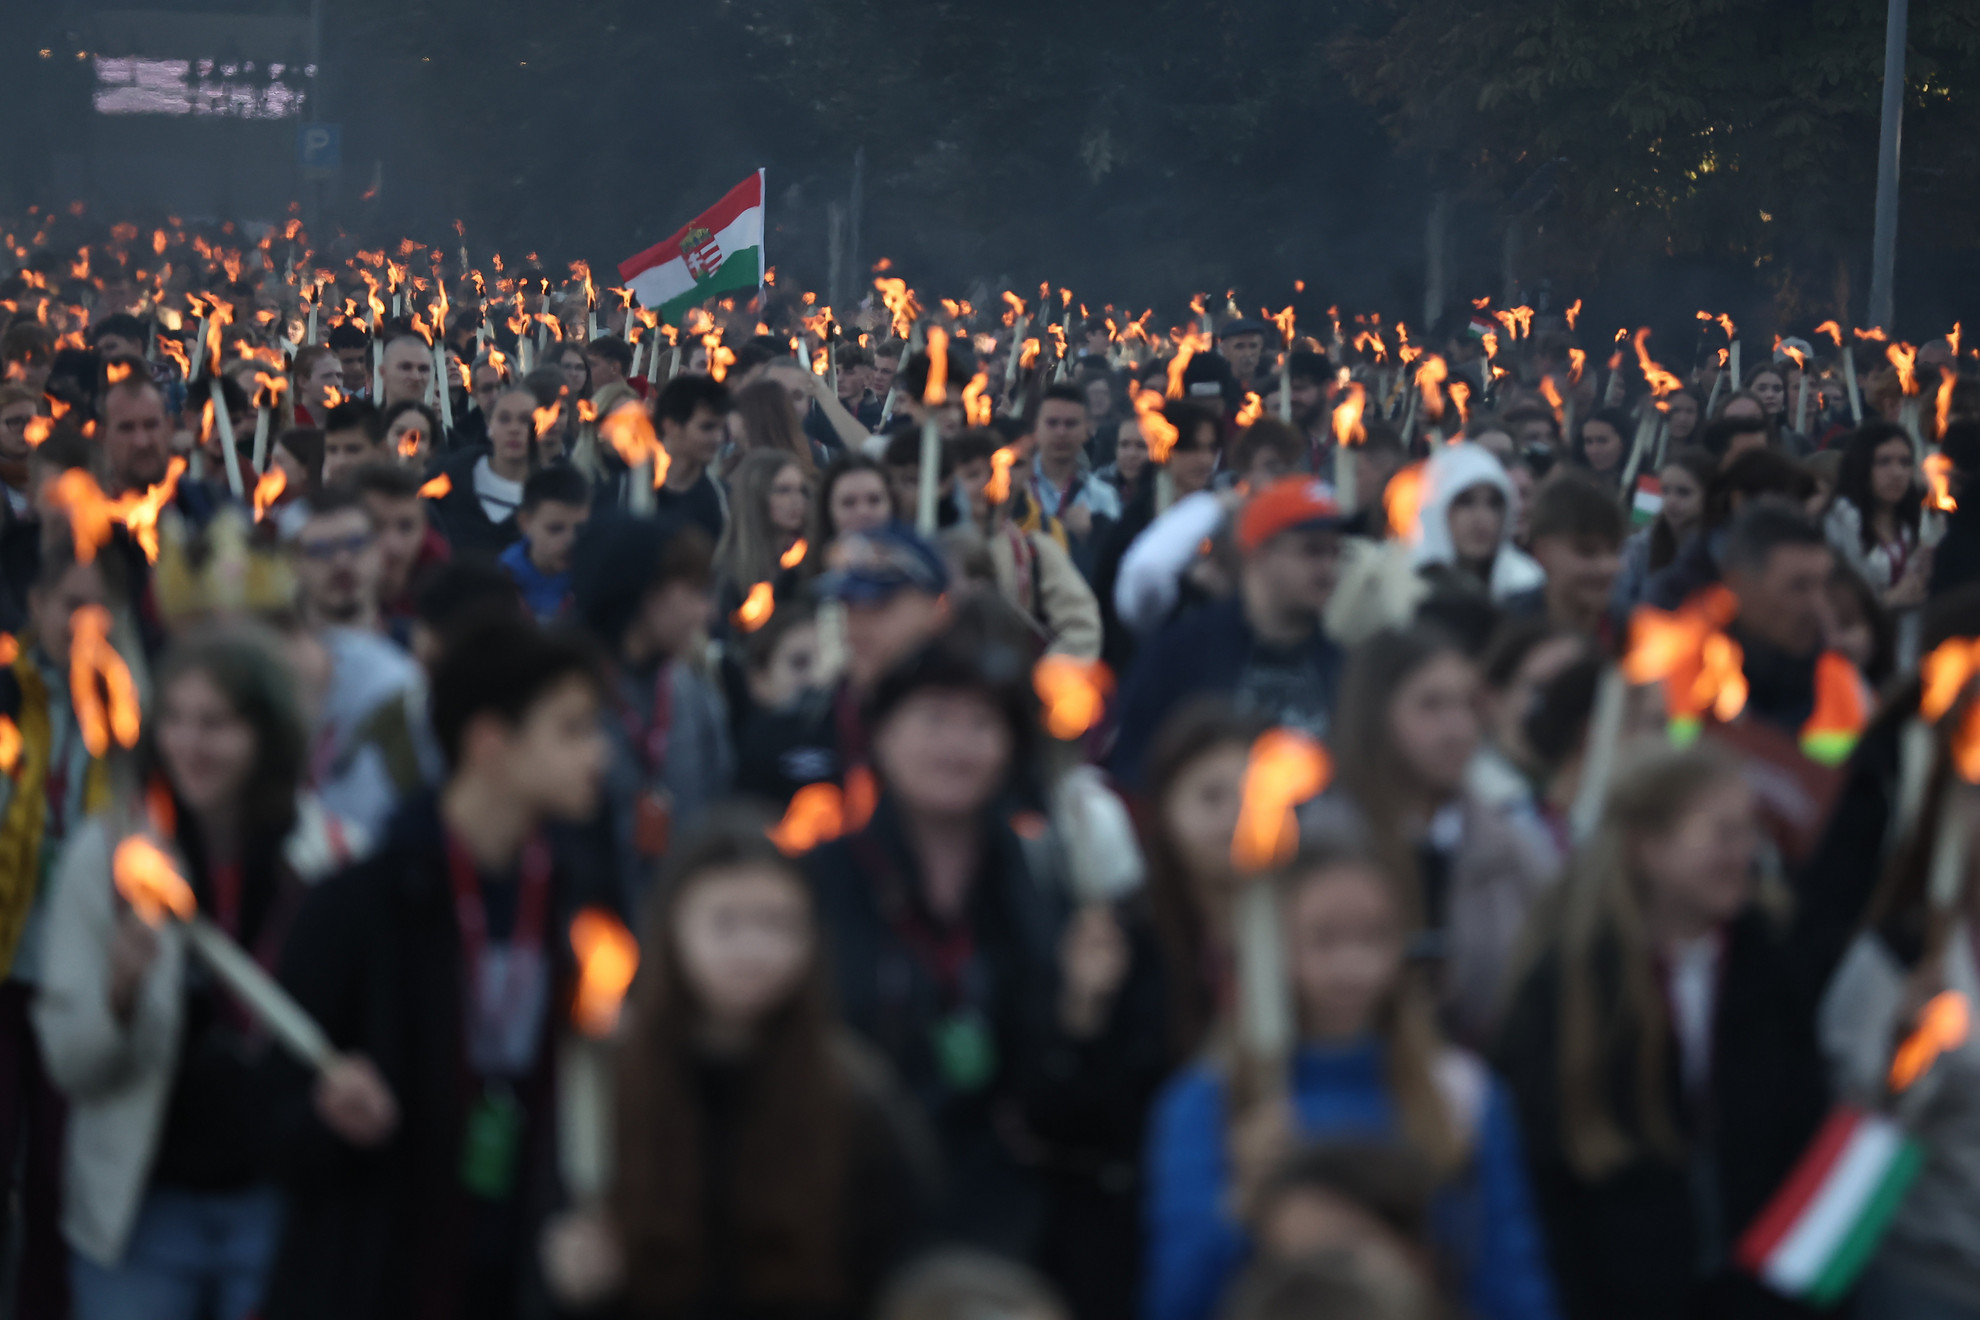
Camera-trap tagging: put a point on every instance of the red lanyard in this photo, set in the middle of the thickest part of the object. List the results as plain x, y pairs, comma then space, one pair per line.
532, 906
649, 740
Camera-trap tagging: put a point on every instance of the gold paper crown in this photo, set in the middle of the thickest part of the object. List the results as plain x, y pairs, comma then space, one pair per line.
217, 572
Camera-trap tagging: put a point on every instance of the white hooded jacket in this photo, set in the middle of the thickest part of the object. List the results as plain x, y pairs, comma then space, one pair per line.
1451, 471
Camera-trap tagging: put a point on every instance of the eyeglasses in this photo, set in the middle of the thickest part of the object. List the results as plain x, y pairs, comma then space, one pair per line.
327, 549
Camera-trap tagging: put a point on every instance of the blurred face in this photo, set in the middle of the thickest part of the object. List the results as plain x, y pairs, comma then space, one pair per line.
1433, 719
1890, 471
785, 501
50, 608
883, 374
14, 419
1200, 812
207, 748
604, 371
399, 527
904, 486
1699, 873
344, 452
325, 375
1744, 410
1193, 460
571, 363
670, 617
1684, 500
944, 753
1683, 417
1296, 570
1784, 602
552, 528
1344, 943
699, 439
1478, 522
879, 634
1130, 452
1497, 443
1308, 398
338, 565
1534, 431
1580, 571
408, 370
860, 502
1602, 445
407, 438
31, 371
554, 759
1243, 352
116, 346
791, 671
1850, 630
511, 428
1099, 398
796, 391
1770, 389
744, 938
1507, 711
135, 438
487, 379
1062, 430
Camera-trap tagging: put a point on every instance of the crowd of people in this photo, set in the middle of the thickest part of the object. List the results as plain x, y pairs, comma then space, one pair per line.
415, 618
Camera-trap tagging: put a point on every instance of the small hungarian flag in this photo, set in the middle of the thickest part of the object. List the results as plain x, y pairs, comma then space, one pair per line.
1648, 501
719, 251
1821, 1228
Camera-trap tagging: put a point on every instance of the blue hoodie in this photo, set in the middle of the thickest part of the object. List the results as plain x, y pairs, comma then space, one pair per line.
1483, 1222
546, 594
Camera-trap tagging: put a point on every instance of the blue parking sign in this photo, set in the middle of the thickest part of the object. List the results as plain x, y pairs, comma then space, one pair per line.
319, 147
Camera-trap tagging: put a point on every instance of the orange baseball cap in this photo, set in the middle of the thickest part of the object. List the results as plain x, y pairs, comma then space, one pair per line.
1286, 504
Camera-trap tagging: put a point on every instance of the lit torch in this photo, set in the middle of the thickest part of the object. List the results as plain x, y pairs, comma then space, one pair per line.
607, 958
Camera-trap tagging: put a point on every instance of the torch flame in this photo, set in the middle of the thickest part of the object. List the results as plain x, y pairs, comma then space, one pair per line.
1253, 409
1430, 375
794, 556
116, 373
1179, 364
1832, 330
38, 430
10, 745
1905, 358
77, 497
547, 418
269, 489
1661, 381
1073, 692
1574, 313
936, 391
1348, 429
1402, 498
1285, 769
1942, 1027
1156, 429
607, 957
1461, 400
100, 686
978, 408
998, 489
149, 882
1685, 649
629, 431
756, 608
1942, 407
817, 814
1577, 360
1938, 476
438, 488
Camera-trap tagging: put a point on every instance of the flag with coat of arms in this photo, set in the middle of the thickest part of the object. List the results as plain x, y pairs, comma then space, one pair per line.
719, 251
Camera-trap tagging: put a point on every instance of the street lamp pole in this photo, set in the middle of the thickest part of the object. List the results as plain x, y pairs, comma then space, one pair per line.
1883, 258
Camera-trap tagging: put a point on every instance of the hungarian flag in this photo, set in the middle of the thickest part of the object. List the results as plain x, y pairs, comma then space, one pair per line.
1815, 1237
1648, 501
719, 251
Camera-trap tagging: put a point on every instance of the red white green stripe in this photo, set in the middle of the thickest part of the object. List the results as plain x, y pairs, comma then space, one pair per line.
1815, 1237
1648, 502
719, 251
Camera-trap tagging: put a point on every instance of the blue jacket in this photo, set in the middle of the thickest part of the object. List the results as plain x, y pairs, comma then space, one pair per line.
1203, 652
544, 593
1484, 1222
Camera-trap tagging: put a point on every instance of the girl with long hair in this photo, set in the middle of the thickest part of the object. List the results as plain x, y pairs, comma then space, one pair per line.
1407, 729
1195, 785
1873, 522
170, 1193
1601, 446
852, 497
767, 1166
1369, 1063
769, 513
1682, 481
1660, 1044
764, 420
